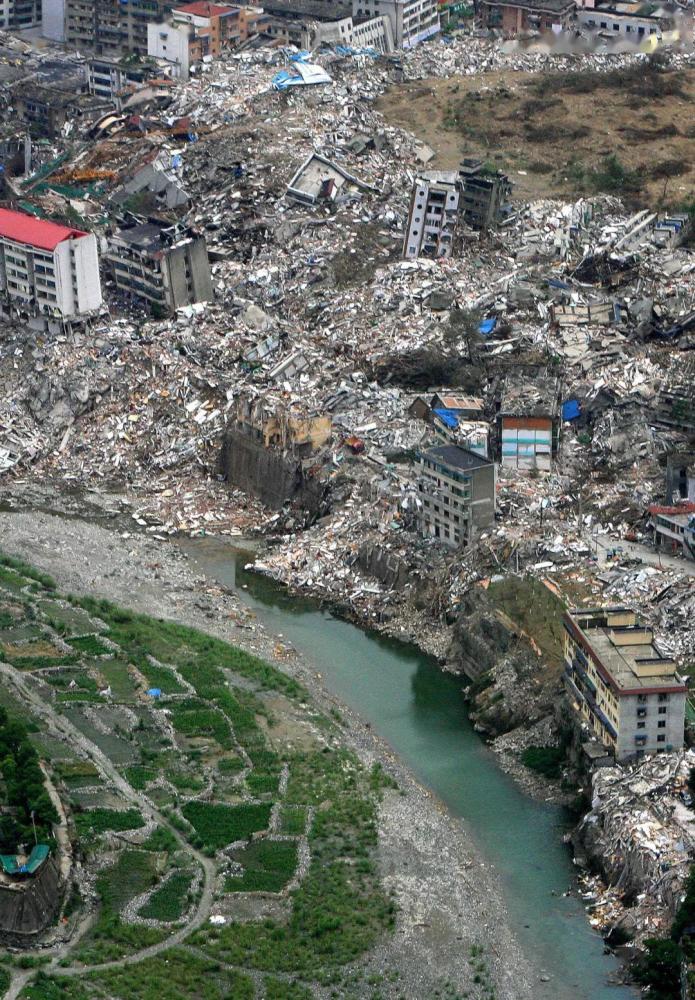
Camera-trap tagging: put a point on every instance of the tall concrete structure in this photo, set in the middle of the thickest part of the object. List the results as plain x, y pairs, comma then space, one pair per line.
412, 21
47, 269
109, 27
164, 267
621, 686
457, 491
17, 15
53, 20
434, 206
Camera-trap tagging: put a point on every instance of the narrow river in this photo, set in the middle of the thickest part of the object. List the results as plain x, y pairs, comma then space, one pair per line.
420, 712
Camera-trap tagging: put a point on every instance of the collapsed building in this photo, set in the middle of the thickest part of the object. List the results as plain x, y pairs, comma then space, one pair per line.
30, 895
272, 451
163, 266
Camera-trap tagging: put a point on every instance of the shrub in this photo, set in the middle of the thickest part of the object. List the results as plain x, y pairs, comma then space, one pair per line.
219, 825
546, 760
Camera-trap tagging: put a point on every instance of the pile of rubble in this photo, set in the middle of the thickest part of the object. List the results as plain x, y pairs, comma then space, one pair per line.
641, 834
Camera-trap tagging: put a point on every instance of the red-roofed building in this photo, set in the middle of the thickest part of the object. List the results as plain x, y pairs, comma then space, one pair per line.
48, 269
202, 30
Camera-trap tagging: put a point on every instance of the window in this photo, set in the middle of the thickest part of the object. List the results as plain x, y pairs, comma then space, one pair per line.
662, 724
616, 27
641, 699
661, 739
663, 697
663, 710
604, 24
641, 725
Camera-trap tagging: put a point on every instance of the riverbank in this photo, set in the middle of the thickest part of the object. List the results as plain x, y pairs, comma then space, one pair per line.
448, 898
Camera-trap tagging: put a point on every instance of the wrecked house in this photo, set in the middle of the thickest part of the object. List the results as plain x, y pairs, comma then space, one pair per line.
485, 198
457, 491
529, 422
163, 266
46, 269
676, 402
318, 180
29, 895
515, 17
271, 451
620, 685
674, 528
680, 477
160, 178
433, 215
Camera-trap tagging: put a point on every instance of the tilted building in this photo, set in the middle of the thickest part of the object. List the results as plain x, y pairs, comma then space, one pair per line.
163, 267
620, 684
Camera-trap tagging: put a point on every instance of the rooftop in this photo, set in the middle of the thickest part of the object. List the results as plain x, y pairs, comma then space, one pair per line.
201, 8
456, 457
34, 232
526, 398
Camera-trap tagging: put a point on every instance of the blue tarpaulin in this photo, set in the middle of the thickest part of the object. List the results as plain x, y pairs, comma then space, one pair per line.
155, 692
571, 409
301, 74
487, 326
448, 417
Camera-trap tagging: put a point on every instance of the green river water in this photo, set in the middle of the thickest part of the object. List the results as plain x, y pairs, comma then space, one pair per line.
420, 712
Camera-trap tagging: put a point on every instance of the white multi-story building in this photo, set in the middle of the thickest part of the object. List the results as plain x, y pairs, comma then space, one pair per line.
433, 215
47, 269
412, 21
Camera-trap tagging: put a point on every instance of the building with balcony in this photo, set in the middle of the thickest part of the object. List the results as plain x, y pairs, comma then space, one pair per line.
110, 78
162, 267
412, 21
516, 17
434, 206
17, 15
47, 269
457, 493
674, 528
620, 685
110, 27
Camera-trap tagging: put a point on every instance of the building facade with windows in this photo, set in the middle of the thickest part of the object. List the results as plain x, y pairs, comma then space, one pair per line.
163, 267
17, 15
457, 494
412, 21
47, 269
434, 206
620, 685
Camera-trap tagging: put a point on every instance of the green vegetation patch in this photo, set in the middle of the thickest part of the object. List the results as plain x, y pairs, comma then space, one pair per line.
268, 866
193, 718
116, 676
55, 988
281, 989
139, 776
97, 821
292, 820
176, 975
169, 902
133, 873
24, 790
78, 773
218, 825
89, 644
200, 658
535, 609
546, 760
162, 678
161, 839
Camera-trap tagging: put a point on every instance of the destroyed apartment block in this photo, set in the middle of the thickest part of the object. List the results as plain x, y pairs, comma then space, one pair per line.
680, 477
620, 685
318, 181
674, 528
49, 273
272, 450
515, 17
676, 402
456, 489
162, 266
433, 215
30, 895
158, 176
529, 424
441, 199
